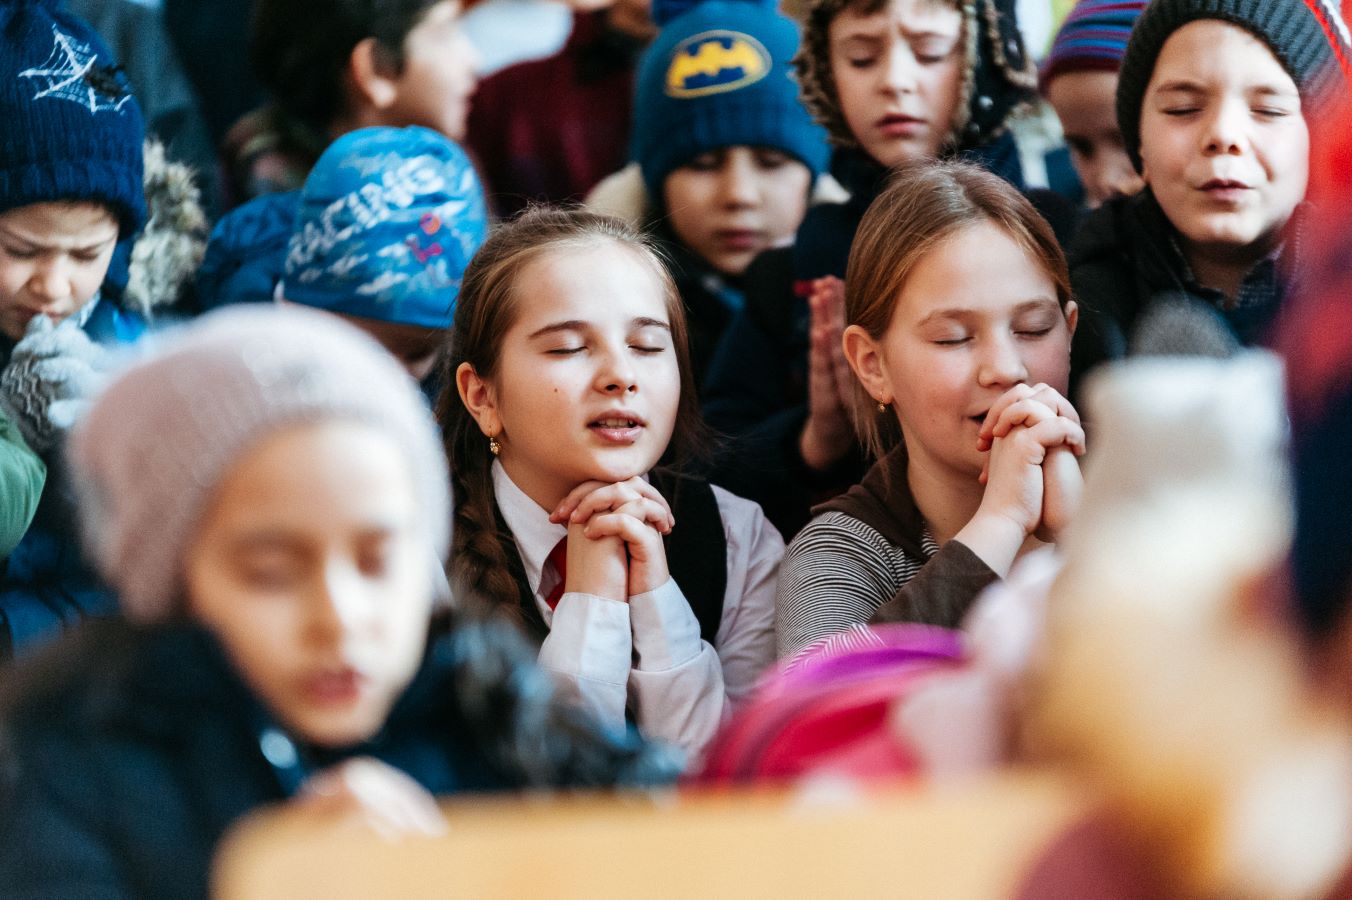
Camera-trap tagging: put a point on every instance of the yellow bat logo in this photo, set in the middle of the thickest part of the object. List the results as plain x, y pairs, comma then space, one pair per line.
714, 62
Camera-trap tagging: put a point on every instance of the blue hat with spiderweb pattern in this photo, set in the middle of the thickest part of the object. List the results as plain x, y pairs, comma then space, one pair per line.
71, 128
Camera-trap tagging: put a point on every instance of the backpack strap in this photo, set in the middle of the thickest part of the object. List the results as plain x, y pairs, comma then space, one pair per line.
697, 548
697, 553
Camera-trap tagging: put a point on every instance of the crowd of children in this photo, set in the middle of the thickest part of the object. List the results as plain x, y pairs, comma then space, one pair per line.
508, 506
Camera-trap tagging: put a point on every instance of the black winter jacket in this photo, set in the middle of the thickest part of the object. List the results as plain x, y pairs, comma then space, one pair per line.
125, 753
1137, 293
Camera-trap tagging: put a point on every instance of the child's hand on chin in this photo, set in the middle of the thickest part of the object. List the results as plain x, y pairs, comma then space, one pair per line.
1025, 406
367, 793
1022, 430
630, 512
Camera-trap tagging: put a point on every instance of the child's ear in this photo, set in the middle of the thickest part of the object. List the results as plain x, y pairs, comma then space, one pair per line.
370, 77
1072, 316
865, 357
477, 395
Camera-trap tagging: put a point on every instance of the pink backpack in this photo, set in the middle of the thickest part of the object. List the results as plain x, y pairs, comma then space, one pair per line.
827, 711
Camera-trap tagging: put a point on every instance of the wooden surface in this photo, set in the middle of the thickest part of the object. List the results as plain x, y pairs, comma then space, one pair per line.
968, 842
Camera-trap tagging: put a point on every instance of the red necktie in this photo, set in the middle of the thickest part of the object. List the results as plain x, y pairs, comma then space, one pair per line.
559, 557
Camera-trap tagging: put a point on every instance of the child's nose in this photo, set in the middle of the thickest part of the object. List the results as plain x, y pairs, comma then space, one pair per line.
616, 374
340, 606
50, 280
1001, 364
1224, 132
737, 184
900, 69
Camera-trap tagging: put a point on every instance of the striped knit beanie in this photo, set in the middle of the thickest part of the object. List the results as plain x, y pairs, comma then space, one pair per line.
69, 127
1093, 37
1290, 29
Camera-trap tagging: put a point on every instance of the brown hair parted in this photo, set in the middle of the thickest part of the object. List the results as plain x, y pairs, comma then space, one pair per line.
924, 205
485, 312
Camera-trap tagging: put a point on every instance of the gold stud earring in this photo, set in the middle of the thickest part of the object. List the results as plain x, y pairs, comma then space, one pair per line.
493, 446
882, 407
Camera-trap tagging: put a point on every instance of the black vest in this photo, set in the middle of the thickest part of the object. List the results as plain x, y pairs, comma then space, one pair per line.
697, 553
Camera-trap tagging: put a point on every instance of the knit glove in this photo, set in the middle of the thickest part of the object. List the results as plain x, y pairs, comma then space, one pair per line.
51, 378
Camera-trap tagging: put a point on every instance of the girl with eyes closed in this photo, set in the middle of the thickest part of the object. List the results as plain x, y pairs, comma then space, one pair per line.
650, 593
960, 322
268, 497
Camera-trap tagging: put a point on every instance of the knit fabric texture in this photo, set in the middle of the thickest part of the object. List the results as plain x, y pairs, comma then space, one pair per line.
718, 75
72, 129
388, 220
1093, 38
50, 376
152, 450
999, 76
1288, 27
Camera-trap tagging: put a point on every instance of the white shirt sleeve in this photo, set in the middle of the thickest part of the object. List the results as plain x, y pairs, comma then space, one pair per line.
587, 652
681, 687
649, 651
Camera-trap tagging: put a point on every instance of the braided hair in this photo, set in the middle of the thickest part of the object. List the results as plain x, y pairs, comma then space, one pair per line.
480, 570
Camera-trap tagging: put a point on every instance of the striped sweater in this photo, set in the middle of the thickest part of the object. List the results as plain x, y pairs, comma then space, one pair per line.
868, 557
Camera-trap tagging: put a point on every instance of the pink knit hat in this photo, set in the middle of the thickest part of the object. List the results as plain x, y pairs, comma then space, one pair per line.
156, 443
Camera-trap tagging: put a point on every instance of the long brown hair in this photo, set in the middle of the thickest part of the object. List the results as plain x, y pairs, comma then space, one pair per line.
484, 313
924, 205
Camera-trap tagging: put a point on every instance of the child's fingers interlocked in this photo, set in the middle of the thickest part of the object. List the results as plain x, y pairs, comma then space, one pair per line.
593, 497
650, 513
998, 423
647, 554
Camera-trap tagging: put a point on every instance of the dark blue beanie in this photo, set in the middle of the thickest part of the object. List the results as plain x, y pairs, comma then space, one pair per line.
388, 220
69, 127
718, 75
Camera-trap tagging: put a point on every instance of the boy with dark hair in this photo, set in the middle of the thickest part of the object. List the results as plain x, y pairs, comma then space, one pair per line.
332, 66
1216, 100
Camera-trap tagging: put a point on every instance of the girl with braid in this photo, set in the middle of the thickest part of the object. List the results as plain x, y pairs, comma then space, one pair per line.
649, 592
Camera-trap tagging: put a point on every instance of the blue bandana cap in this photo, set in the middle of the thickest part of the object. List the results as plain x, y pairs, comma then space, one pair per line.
389, 218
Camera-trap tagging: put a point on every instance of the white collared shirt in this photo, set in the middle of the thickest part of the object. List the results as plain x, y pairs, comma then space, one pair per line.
647, 653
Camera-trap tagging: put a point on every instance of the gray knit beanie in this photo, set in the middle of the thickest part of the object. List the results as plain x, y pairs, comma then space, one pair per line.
149, 455
1288, 27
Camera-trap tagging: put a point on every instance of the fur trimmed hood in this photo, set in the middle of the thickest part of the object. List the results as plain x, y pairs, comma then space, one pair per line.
998, 75
167, 251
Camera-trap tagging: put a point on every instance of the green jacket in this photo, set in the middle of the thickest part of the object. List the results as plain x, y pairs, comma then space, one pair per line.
22, 476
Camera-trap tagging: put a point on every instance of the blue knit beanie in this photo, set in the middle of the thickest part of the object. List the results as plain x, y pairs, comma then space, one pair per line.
69, 127
388, 220
718, 75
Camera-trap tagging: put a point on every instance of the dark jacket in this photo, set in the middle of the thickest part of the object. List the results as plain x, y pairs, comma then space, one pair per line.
1131, 279
246, 254
125, 753
756, 388
46, 583
711, 299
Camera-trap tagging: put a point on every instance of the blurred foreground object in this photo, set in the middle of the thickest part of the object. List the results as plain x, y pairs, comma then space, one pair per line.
1172, 676
971, 843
